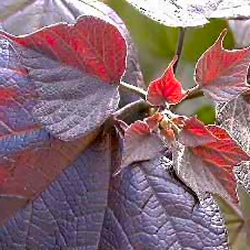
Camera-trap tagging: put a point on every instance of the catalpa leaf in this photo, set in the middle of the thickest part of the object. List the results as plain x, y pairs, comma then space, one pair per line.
72, 68
221, 73
30, 158
191, 13
143, 208
209, 167
149, 209
195, 133
36, 14
70, 212
166, 88
140, 143
235, 117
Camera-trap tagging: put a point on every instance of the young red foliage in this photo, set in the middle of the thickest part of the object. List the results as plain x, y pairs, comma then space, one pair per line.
222, 73
154, 120
220, 156
224, 151
195, 133
166, 88
140, 143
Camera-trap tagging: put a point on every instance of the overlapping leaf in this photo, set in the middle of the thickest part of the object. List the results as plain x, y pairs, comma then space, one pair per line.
222, 74
191, 13
70, 212
241, 32
231, 9
166, 88
145, 207
195, 133
30, 159
235, 117
72, 68
140, 143
209, 167
35, 14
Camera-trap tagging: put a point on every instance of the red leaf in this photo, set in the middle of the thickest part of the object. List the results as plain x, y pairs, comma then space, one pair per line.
140, 144
220, 157
166, 88
209, 167
222, 152
154, 120
69, 66
195, 133
91, 45
221, 73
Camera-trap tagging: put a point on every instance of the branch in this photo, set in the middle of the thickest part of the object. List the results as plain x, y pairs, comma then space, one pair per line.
136, 90
126, 111
131, 109
194, 93
179, 47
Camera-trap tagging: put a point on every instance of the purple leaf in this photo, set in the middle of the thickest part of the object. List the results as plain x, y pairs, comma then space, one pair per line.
30, 158
35, 14
73, 67
145, 207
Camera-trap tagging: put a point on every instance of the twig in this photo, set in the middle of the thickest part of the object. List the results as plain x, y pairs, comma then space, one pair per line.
126, 111
131, 108
179, 47
193, 93
136, 90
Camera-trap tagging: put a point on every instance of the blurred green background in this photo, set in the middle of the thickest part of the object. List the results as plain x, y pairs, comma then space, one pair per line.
156, 45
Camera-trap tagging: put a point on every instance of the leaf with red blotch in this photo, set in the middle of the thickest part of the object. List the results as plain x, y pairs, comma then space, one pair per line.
221, 73
36, 14
76, 70
30, 158
166, 88
195, 133
140, 143
209, 167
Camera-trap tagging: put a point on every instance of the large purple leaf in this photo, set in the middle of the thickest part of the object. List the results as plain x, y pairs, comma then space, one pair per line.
32, 15
70, 212
149, 209
30, 158
144, 208
72, 68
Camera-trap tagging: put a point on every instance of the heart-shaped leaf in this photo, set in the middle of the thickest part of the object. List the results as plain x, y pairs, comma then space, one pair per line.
36, 14
72, 68
221, 73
